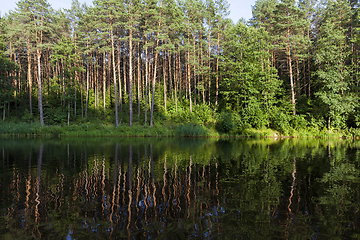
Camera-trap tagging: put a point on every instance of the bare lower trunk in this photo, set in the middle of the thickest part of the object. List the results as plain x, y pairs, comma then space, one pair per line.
68, 118
176, 80
40, 89
104, 80
119, 80
87, 90
309, 78
146, 83
153, 88
75, 94
188, 79
114, 71
130, 78
297, 76
81, 97
29, 79
138, 77
164, 78
292, 85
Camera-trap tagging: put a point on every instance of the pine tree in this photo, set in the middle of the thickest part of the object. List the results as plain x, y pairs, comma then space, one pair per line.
332, 54
288, 27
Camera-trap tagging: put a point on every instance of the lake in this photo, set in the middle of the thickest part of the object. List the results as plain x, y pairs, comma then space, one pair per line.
179, 188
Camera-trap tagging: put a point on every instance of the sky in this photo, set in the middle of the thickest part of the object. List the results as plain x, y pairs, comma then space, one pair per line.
238, 8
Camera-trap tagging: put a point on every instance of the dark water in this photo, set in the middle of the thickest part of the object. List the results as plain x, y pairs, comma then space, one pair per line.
143, 188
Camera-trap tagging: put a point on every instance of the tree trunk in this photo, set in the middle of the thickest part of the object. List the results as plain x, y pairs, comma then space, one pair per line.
146, 81
29, 74
176, 80
40, 88
104, 79
297, 76
164, 78
130, 78
120, 90
291, 83
188, 79
138, 77
87, 88
170, 78
153, 86
217, 70
114, 71
81, 97
124, 74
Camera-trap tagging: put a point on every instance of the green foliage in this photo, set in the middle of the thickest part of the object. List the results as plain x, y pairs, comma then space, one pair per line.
201, 114
229, 123
53, 116
334, 74
191, 130
254, 115
298, 122
281, 122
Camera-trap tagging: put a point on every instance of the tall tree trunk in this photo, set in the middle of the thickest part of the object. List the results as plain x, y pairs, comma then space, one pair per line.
146, 81
153, 85
176, 80
76, 79
104, 79
291, 82
304, 77
209, 62
40, 88
29, 74
195, 83
130, 77
87, 89
297, 76
114, 71
170, 78
308, 67
164, 78
180, 77
120, 90
188, 79
217, 70
138, 76
81, 96
125, 78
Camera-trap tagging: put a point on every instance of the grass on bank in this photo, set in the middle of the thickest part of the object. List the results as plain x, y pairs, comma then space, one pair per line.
97, 130
167, 129
201, 122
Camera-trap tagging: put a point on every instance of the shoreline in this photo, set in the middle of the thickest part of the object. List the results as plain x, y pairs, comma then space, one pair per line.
187, 130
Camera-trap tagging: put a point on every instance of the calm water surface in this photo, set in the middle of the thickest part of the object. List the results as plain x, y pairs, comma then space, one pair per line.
169, 188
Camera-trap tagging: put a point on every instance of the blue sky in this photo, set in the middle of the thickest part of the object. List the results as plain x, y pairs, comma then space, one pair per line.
238, 8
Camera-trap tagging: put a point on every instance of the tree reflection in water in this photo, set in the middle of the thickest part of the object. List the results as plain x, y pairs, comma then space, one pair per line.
179, 188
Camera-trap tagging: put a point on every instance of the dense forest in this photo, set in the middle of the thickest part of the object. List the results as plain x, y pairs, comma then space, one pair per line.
293, 65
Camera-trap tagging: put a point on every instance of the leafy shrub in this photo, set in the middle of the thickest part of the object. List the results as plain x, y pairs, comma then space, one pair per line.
254, 115
203, 113
229, 123
298, 122
191, 130
54, 116
281, 122
315, 123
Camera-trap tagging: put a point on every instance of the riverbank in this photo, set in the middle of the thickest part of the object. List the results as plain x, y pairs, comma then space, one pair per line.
167, 129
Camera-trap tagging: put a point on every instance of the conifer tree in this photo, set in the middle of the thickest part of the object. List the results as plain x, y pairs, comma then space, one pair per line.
289, 32
332, 54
